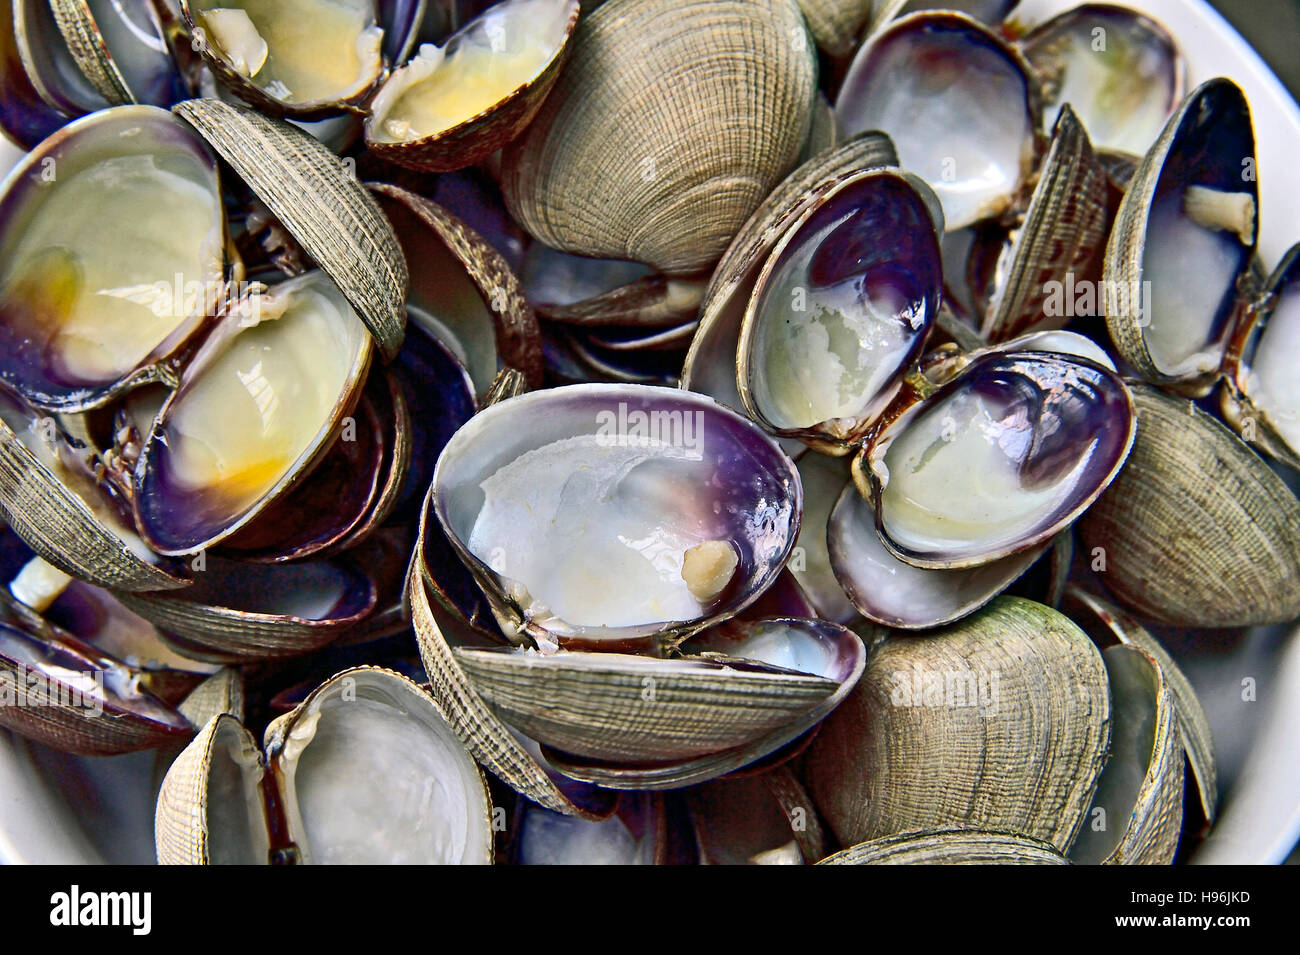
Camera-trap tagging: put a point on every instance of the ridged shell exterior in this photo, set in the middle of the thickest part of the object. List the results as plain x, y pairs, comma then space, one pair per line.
1197, 530
77, 25
950, 847
180, 826
881, 767
322, 205
670, 123
1063, 233
836, 25
633, 709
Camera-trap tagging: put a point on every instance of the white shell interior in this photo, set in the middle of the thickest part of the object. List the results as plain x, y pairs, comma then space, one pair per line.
117, 250
296, 51
1188, 272
604, 544
550, 838
959, 121
1272, 382
496, 54
952, 478
823, 478
372, 775
236, 812
821, 354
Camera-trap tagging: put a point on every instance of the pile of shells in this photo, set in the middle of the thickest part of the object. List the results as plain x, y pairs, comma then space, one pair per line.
638, 431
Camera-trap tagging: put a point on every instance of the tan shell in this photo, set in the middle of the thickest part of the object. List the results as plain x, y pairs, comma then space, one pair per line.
76, 23
711, 361
655, 301
623, 708
1196, 530
950, 846
320, 203
1193, 724
836, 25
515, 328
1064, 231
181, 816
1144, 736
670, 123
223, 692
484, 735
883, 765
478, 137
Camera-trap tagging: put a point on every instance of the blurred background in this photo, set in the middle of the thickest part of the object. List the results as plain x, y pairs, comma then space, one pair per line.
1273, 28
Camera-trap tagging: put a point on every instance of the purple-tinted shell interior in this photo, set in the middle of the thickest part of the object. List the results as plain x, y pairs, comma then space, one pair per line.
755, 497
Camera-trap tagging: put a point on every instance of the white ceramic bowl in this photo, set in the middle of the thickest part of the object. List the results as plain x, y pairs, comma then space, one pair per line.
61, 809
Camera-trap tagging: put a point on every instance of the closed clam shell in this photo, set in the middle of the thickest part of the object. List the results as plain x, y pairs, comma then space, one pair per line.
320, 203
620, 707
1196, 530
1140, 794
1000, 722
950, 846
669, 124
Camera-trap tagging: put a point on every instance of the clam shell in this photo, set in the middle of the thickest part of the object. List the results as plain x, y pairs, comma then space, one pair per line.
950, 846
836, 25
489, 740
756, 819
685, 113
326, 210
1064, 231
882, 764
1197, 530
1193, 724
77, 25
624, 708
710, 363
1204, 143
467, 287
181, 834
478, 136
1140, 791
235, 613
60, 526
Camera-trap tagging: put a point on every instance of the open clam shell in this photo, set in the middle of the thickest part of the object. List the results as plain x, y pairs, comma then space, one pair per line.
894, 593
66, 694
710, 366
938, 731
610, 515
1259, 398
640, 831
464, 294
261, 402
1137, 812
453, 105
1051, 432
952, 845
686, 113
1184, 235
326, 210
1197, 530
1121, 72
303, 59
765, 819
222, 801
624, 708
836, 316
112, 239
54, 505
239, 612
960, 104
1106, 623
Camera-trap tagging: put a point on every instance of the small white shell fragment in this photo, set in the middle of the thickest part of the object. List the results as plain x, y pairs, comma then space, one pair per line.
707, 568
38, 584
1222, 211
233, 31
